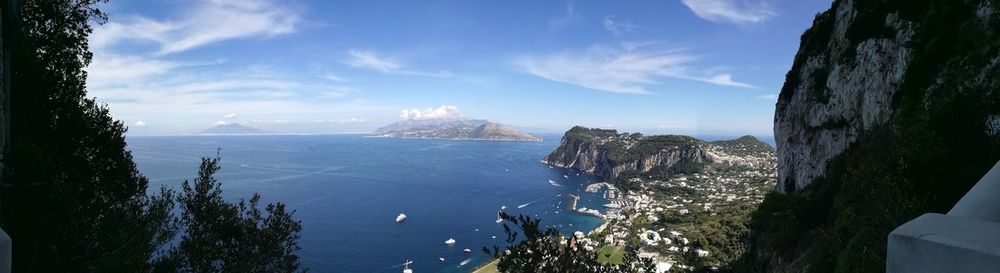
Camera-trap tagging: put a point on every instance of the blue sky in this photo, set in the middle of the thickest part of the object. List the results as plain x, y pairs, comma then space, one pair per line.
671, 66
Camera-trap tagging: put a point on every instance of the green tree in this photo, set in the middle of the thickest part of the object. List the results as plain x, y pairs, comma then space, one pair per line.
220, 236
74, 200
542, 250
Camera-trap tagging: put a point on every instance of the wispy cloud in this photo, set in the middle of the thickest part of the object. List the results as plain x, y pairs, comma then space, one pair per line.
366, 59
351, 120
140, 123
334, 77
208, 22
732, 11
726, 80
618, 28
629, 68
443, 111
768, 97
569, 14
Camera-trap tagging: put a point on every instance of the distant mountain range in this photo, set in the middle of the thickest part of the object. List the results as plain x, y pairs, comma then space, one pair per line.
232, 129
454, 128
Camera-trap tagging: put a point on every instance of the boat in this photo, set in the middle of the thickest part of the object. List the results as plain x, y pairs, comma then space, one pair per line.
406, 267
498, 217
441, 259
450, 241
467, 250
400, 218
566, 176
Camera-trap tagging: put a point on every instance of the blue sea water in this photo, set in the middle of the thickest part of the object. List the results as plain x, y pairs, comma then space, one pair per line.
348, 189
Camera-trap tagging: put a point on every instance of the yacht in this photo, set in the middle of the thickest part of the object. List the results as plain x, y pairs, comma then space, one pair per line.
406, 267
400, 218
450, 241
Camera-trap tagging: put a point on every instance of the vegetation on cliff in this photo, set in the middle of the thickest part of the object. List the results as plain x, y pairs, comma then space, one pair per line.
700, 201
940, 140
73, 199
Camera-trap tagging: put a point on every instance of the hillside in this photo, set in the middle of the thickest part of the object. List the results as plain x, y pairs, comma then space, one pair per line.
681, 201
609, 154
232, 129
890, 110
454, 128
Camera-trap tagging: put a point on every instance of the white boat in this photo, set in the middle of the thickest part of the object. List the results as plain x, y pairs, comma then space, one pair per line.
494, 236
467, 250
400, 218
406, 267
498, 217
450, 241
566, 176
441, 259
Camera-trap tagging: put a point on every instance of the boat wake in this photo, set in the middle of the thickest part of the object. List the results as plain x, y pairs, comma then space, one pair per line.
553, 183
521, 206
466, 261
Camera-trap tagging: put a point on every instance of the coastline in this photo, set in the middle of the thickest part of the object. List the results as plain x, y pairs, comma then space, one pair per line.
491, 265
488, 267
540, 139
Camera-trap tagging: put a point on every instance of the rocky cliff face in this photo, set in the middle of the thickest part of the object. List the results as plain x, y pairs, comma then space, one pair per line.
608, 154
891, 109
831, 99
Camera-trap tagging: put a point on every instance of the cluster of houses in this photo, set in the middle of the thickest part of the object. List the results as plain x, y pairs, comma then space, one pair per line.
647, 213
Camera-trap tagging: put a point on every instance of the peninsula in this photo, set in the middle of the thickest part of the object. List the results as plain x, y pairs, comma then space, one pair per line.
454, 128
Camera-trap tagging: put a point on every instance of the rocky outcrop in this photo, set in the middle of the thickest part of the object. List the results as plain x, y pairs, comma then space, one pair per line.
454, 128
608, 154
838, 90
891, 110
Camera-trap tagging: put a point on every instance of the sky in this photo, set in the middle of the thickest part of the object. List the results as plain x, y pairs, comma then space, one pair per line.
698, 67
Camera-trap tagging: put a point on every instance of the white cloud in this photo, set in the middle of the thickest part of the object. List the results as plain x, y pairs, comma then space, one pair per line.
370, 60
140, 123
568, 16
206, 23
229, 116
443, 111
110, 68
367, 59
630, 68
618, 28
768, 97
221, 122
727, 80
351, 120
334, 77
732, 11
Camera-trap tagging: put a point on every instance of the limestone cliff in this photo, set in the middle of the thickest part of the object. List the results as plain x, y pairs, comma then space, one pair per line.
839, 89
890, 110
609, 154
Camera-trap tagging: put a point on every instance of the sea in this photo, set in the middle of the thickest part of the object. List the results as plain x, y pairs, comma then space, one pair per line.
348, 189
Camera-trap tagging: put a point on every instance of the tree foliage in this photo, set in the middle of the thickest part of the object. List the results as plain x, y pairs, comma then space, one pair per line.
220, 236
73, 199
546, 250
